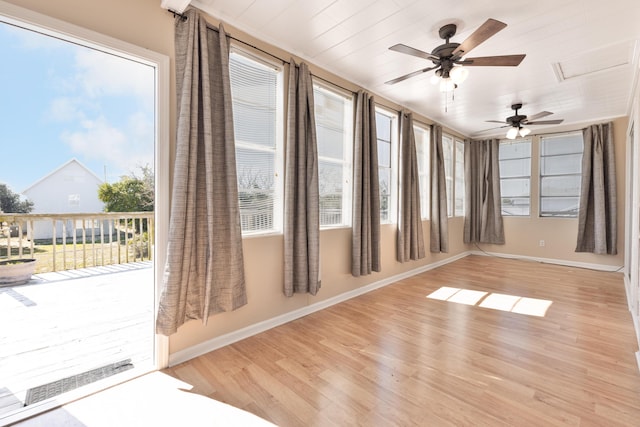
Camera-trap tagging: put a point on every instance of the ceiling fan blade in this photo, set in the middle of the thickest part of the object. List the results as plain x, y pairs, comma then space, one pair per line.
498, 127
403, 48
408, 76
496, 61
495, 121
539, 115
486, 30
545, 122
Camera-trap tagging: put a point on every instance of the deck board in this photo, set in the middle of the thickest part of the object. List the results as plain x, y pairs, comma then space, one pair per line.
65, 323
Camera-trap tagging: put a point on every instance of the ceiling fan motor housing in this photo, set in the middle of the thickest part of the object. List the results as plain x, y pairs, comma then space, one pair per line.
516, 118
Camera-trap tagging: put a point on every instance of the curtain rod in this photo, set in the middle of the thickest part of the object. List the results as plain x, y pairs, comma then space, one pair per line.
184, 17
557, 133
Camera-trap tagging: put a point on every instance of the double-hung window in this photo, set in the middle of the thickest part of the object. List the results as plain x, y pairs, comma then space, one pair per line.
256, 88
515, 176
334, 124
386, 131
423, 138
560, 174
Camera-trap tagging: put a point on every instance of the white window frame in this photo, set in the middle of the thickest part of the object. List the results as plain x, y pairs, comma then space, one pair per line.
449, 172
458, 178
541, 176
393, 167
28, 19
424, 176
517, 177
347, 156
278, 150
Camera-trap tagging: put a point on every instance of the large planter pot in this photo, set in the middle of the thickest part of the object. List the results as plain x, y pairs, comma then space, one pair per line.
16, 271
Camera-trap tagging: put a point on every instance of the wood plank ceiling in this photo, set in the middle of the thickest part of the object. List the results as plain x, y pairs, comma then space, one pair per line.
581, 63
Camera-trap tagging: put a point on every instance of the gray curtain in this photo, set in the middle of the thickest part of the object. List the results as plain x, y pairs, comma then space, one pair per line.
365, 238
483, 205
597, 218
410, 240
439, 241
204, 272
301, 211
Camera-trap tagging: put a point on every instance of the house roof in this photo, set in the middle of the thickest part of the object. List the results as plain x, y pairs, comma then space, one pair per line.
58, 169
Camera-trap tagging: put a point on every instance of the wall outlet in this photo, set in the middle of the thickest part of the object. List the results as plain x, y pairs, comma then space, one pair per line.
541, 243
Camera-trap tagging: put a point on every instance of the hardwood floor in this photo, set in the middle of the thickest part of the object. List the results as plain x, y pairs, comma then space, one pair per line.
396, 357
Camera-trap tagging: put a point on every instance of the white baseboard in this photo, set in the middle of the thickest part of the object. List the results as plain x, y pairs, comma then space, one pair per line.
232, 337
600, 267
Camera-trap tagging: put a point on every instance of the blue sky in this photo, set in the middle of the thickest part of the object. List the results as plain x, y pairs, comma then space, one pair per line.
60, 101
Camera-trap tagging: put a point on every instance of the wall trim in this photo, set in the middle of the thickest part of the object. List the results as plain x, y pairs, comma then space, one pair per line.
235, 336
599, 267
636, 325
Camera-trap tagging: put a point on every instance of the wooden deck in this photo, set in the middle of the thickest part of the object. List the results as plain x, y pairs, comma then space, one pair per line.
66, 323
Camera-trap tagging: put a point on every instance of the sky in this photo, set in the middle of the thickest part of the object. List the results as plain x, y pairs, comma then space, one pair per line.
59, 101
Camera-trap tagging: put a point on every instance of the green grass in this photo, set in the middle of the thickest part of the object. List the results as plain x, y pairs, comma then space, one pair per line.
68, 257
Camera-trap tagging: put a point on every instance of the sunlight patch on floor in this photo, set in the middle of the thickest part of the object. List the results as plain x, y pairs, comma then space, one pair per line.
503, 302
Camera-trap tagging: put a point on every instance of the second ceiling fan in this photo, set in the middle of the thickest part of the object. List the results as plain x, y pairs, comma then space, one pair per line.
518, 122
448, 58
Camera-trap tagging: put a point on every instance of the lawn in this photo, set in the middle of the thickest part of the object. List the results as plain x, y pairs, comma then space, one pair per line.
69, 256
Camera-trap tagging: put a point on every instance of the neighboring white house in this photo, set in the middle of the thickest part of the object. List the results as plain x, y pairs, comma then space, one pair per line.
71, 188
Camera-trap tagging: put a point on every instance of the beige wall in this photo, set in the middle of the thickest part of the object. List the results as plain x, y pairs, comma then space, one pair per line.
144, 23
523, 234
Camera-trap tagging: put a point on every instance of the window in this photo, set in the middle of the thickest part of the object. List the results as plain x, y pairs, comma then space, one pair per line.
334, 124
515, 176
256, 89
560, 174
386, 131
447, 153
423, 139
458, 191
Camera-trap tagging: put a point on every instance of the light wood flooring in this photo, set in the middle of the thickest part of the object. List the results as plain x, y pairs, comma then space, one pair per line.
395, 357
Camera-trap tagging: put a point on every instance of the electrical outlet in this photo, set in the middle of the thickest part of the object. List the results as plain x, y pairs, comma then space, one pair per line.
541, 243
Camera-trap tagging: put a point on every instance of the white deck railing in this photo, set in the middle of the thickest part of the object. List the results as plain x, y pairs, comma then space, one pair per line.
71, 241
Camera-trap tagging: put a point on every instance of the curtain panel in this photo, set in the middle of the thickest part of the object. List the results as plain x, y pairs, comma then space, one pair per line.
301, 208
598, 213
483, 203
204, 272
410, 240
439, 231
365, 237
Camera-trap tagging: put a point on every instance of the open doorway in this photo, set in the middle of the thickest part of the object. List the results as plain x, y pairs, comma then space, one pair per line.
79, 194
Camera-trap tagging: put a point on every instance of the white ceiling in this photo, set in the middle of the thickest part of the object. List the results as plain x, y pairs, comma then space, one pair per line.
581, 58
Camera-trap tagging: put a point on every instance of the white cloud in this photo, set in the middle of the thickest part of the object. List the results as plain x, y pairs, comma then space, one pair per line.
65, 109
122, 150
104, 74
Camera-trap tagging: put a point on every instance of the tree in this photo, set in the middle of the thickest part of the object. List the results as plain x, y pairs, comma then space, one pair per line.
10, 202
131, 194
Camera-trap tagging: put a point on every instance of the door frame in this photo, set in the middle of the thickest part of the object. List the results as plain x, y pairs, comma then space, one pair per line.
44, 24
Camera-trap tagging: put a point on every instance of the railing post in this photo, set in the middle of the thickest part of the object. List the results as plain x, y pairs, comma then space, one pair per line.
54, 241
75, 244
64, 244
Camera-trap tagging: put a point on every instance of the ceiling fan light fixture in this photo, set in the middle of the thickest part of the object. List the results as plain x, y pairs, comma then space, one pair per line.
435, 79
524, 132
459, 74
512, 133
